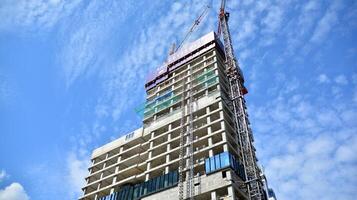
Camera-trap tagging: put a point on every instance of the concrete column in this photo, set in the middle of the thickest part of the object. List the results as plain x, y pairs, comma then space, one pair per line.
229, 175
209, 130
210, 143
96, 197
99, 185
221, 115
213, 195
220, 105
147, 177
223, 126
225, 147
111, 190
224, 136
168, 147
114, 180
167, 158
231, 193
121, 149
148, 166
101, 175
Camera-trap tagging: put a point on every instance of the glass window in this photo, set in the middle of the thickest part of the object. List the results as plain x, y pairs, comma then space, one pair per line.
213, 166
157, 183
166, 180
175, 177
224, 159
130, 193
170, 178
120, 194
162, 181
141, 189
150, 184
207, 166
217, 161
136, 191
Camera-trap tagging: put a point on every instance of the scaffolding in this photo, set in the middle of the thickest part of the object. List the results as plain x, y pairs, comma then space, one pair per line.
187, 132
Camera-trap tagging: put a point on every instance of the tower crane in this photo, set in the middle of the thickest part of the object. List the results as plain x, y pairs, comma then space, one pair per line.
253, 183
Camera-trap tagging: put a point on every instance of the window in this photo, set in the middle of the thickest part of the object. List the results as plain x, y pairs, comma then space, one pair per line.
157, 183
224, 159
207, 166
213, 167
166, 180
162, 182
175, 177
170, 179
217, 161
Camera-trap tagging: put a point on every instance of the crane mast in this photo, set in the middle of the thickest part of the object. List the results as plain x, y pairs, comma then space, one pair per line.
237, 91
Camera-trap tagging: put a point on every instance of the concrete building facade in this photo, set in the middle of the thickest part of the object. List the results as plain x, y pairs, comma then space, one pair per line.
144, 164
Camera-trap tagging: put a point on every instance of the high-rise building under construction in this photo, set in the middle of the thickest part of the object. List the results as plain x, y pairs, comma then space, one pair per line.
196, 141
189, 145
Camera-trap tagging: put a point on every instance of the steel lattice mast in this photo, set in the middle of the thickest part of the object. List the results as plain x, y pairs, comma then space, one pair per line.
237, 92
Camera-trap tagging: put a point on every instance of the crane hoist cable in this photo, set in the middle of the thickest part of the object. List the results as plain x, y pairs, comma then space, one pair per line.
193, 27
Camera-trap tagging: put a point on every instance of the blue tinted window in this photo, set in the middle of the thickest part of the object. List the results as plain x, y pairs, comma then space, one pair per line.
130, 193
213, 166
207, 166
166, 180
175, 177
161, 182
157, 183
224, 159
150, 187
217, 162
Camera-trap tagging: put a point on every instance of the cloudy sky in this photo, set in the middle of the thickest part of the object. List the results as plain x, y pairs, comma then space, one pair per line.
72, 73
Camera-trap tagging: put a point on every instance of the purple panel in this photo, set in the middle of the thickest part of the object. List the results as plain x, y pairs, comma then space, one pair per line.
151, 76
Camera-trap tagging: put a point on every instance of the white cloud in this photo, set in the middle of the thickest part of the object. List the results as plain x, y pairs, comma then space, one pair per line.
323, 78
341, 79
14, 191
3, 175
328, 20
305, 139
34, 14
77, 169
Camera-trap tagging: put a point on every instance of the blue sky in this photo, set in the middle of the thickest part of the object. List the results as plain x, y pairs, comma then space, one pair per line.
72, 73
